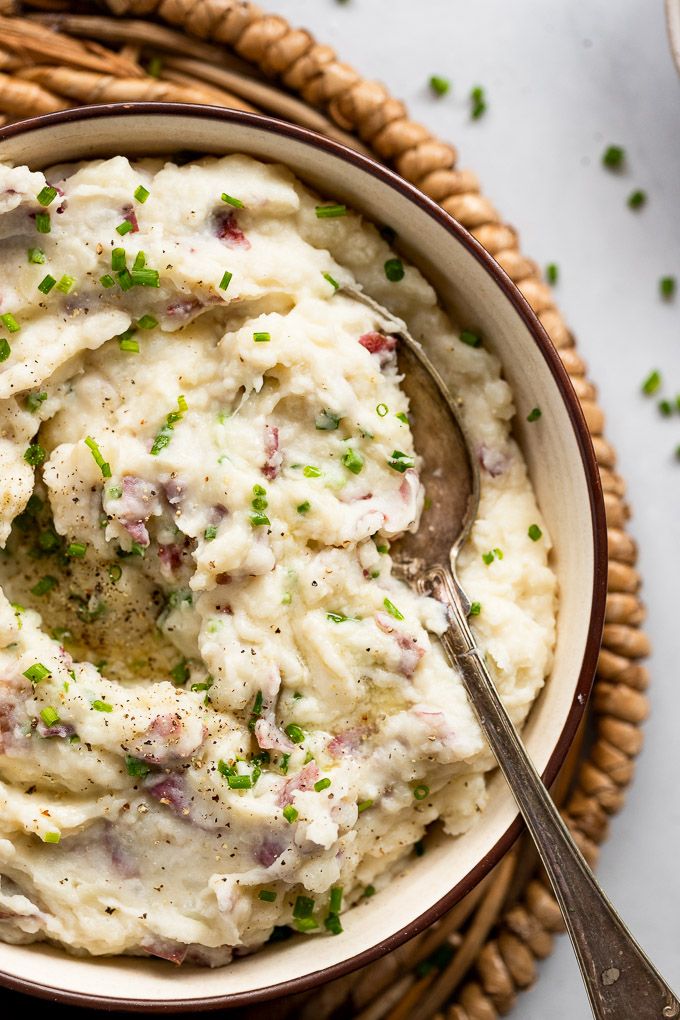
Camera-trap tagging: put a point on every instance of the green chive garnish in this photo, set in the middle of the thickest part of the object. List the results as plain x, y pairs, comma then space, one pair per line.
306, 924
337, 617
124, 279
304, 508
140, 260
470, 338
394, 270
230, 200
421, 792
381, 410
353, 461
147, 322
667, 285
226, 280
370, 890
49, 715
309, 471
475, 608
145, 278
335, 900
36, 256
304, 907
330, 279
10, 323
636, 199
115, 572
35, 455
364, 805
65, 284
210, 533
47, 195
552, 272
400, 461
322, 784
665, 408
46, 284
613, 157
124, 228
101, 706
256, 711
392, 609
107, 281
155, 67
103, 465
534, 414
261, 338
259, 519
5, 349
440, 86
34, 400
52, 837
76, 550
37, 673
477, 102
290, 813
164, 435
488, 558
135, 767
327, 421
333, 924
295, 732
330, 212
267, 895
129, 345
402, 416
652, 383
43, 223
534, 532
141, 194
118, 259
44, 585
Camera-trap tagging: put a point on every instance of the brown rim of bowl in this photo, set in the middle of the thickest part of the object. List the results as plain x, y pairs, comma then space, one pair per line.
590, 656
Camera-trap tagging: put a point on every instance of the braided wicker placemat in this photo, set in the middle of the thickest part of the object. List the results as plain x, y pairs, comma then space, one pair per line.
55, 54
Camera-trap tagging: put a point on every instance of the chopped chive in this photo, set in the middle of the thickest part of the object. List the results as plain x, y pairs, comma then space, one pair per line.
295, 732
141, 194
180, 673
147, 322
552, 272
652, 383
34, 400
76, 550
290, 813
665, 408
101, 706
400, 461
259, 519
667, 286
49, 715
637, 198
267, 895
36, 256
488, 558
107, 281
136, 767
402, 416
421, 792
309, 471
35, 455
369, 891
322, 784
439, 85
337, 617
140, 260
210, 533
613, 157
52, 837
226, 280
44, 585
304, 907
118, 259
10, 323
330, 279
5, 349
498, 553
103, 465
477, 102
65, 284
470, 338
37, 673
124, 228
46, 284
381, 410
145, 277
230, 200
303, 508
114, 492
164, 435
394, 270
475, 608
129, 345
329, 212
256, 711
392, 609
327, 421
534, 532
364, 805
534, 414
115, 572
47, 195
335, 900
43, 222
239, 782
261, 338
353, 461
333, 924
124, 280
155, 67
306, 924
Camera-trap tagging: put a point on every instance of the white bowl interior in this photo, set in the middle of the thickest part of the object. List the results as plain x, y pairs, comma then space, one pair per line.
558, 474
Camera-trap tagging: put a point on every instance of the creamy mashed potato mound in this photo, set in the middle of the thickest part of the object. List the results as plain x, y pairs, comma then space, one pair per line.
220, 711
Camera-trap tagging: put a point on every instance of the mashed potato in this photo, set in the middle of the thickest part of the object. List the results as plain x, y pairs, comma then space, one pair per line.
220, 712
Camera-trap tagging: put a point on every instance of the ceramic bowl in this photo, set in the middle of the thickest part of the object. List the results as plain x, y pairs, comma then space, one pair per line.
565, 476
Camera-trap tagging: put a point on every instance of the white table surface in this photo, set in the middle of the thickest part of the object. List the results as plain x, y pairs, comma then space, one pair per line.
563, 80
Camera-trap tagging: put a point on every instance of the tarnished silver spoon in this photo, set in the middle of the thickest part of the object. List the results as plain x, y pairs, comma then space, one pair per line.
621, 982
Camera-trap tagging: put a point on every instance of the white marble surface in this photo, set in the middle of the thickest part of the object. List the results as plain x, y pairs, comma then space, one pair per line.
563, 80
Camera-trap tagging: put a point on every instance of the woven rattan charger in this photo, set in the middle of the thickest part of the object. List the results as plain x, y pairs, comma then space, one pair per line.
54, 54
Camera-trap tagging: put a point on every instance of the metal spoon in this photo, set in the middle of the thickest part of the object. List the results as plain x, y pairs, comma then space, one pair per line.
621, 982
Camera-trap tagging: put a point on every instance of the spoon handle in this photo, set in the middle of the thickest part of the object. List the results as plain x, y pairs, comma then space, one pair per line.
621, 982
